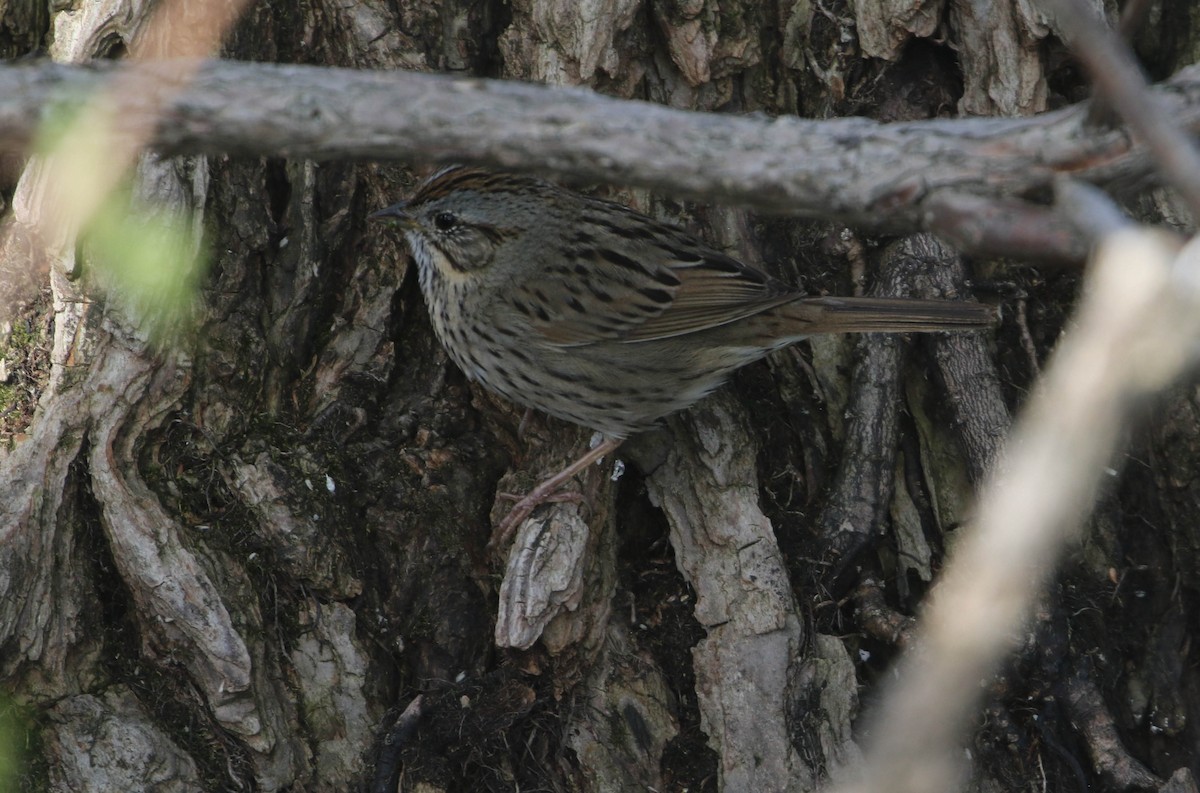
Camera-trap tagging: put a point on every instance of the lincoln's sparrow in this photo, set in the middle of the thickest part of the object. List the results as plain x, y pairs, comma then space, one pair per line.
599, 315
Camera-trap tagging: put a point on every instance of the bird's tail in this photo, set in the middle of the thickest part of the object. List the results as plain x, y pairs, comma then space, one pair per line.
885, 315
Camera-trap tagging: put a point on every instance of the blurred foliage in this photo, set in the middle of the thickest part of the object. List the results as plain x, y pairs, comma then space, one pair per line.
148, 260
12, 741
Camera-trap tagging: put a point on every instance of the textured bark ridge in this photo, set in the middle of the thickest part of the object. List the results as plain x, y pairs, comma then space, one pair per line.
249, 553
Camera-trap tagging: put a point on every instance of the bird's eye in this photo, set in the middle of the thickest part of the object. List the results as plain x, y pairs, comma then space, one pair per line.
444, 221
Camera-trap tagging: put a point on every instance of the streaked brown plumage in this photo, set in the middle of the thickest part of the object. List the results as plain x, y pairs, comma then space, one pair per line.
594, 313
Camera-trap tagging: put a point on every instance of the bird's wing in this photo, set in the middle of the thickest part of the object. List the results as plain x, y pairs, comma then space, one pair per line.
645, 281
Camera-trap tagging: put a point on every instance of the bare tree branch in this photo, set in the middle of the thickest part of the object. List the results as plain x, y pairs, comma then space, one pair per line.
885, 177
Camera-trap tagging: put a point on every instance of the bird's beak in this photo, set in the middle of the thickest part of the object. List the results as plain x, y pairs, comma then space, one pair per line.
397, 213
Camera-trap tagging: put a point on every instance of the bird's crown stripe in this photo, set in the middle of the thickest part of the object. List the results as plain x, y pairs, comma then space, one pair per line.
460, 177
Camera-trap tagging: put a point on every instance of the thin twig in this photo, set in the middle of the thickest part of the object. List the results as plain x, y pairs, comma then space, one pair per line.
1133, 15
1118, 80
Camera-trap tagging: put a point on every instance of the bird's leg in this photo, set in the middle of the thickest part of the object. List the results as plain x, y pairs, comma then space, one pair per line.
545, 490
567, 497
524, 424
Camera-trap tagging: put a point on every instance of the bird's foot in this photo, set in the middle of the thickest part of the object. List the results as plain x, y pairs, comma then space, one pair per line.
548, 491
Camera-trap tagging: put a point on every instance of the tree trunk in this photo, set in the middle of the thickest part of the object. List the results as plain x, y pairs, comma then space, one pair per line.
251, 557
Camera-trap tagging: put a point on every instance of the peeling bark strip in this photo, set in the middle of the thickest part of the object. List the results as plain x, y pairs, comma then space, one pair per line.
185, 609
855, 170
726, 549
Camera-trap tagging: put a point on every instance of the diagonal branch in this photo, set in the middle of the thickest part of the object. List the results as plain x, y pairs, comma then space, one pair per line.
1135, 334
1118, 79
